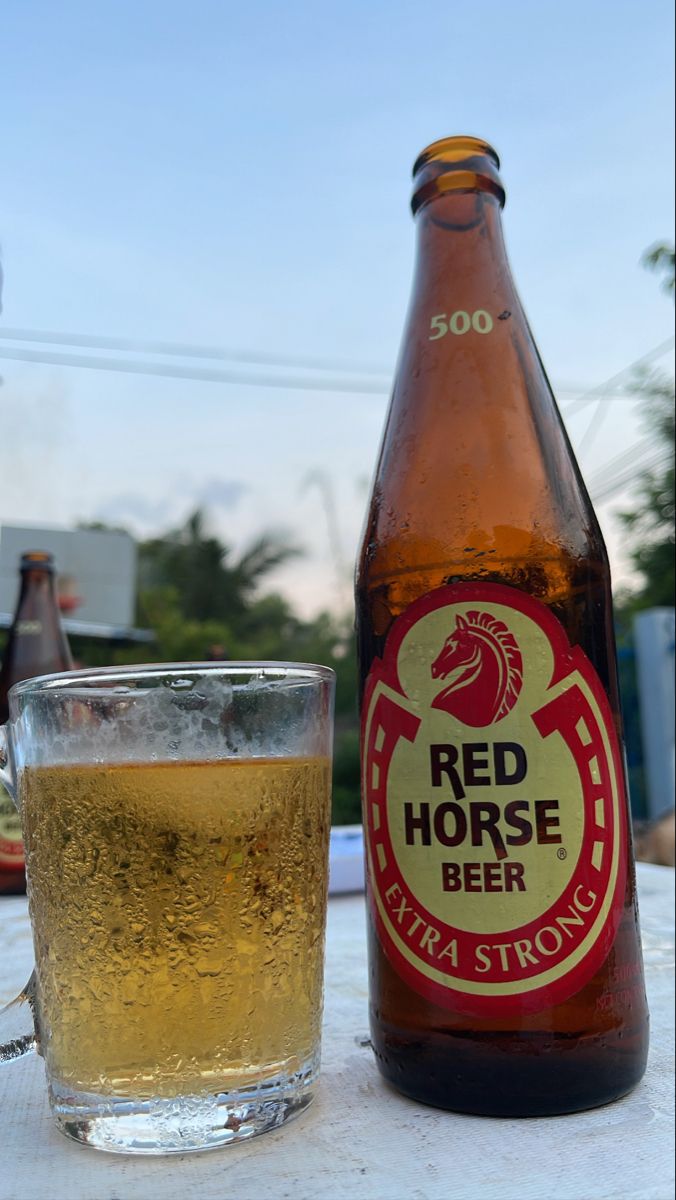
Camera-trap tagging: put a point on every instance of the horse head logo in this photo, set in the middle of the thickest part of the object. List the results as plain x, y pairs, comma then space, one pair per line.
482, 670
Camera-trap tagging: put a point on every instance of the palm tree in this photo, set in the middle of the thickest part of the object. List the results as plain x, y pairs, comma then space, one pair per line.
209, 583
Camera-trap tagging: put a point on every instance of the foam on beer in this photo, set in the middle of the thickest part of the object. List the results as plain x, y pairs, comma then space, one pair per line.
177, 719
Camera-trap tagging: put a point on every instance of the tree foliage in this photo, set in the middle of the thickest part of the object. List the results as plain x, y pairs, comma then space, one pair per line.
208, 583
662, 258
651, 521
195, 595
650, 531
650, 524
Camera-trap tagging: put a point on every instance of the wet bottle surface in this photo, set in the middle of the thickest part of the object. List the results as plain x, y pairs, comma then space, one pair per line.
36, 645
497, 838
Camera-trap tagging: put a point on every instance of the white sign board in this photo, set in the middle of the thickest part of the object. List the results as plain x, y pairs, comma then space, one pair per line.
97, 570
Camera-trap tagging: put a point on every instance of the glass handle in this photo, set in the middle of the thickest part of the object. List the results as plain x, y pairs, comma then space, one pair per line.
17, 1025
6, 773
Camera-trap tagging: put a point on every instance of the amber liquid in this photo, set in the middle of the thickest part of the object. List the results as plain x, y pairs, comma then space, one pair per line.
477, 482
178, 916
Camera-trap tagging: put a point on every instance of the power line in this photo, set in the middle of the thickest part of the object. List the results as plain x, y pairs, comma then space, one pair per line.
187, 350
602, 389
625, 458
632, 456
622, 480
200, 374
218, 353
210, 375
597, 418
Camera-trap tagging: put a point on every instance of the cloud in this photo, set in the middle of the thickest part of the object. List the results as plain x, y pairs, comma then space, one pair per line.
220, 493
134, 506
151, 513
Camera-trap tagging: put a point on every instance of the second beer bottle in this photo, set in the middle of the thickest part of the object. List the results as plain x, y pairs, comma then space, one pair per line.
505, 963
36, 645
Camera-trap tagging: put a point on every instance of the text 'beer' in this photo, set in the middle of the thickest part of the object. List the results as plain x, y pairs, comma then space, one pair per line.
177, 911
505, 964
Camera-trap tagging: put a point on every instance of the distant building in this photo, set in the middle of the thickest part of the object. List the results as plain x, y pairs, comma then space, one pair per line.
96, 578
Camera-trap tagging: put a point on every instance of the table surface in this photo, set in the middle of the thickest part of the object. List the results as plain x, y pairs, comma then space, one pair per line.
360, 1139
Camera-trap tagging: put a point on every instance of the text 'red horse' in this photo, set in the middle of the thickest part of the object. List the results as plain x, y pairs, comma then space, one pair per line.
482, 669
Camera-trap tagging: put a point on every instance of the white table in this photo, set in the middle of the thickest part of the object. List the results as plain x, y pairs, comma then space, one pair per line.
360, 1140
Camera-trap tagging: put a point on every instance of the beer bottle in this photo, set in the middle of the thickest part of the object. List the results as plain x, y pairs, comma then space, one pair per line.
505, 965
36, 645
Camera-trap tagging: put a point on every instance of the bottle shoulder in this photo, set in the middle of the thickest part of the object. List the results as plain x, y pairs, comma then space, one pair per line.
462, 525
476, 466
36, 644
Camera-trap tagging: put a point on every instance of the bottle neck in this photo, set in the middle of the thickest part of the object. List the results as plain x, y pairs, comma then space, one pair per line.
475, 470
461, 259
36, 582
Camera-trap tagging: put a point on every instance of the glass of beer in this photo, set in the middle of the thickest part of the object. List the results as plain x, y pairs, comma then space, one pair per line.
176, 822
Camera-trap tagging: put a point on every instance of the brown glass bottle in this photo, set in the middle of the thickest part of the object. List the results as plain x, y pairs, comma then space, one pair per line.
36, 645
505, 964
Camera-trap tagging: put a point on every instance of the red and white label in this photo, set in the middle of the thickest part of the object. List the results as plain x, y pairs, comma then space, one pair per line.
494, 803
11, 845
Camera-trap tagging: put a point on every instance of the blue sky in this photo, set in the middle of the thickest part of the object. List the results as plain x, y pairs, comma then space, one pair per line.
239, 175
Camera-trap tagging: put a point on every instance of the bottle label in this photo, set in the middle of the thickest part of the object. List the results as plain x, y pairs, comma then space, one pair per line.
11, 845
494, 805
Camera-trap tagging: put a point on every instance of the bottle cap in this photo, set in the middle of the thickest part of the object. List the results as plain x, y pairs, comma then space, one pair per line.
37, 558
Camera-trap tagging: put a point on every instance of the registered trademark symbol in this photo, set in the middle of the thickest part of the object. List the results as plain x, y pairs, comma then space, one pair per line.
562, 853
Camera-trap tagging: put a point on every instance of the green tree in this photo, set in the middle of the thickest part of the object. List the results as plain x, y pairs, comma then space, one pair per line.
661, 257
650, 528
207, 582
194, 594
650, 523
